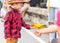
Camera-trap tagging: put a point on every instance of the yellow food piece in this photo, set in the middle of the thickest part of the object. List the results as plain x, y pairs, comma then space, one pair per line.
39, 26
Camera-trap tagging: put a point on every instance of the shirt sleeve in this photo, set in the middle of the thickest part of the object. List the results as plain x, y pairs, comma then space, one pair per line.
7, 21
25, 25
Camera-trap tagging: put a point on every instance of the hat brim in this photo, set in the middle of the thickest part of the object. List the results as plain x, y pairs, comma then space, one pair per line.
16, 2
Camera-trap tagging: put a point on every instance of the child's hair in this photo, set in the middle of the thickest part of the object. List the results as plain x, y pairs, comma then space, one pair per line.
6, 5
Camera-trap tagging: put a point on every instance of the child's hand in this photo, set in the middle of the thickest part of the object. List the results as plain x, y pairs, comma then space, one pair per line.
26, 6
37, 33
32, 27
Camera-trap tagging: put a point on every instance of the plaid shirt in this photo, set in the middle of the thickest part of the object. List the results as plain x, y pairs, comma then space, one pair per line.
13, 23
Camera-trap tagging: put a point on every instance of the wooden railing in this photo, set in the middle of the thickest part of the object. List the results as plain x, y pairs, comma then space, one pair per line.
37, 15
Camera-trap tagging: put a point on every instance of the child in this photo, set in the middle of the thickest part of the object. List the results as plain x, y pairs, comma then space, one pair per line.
13, 22
51, 28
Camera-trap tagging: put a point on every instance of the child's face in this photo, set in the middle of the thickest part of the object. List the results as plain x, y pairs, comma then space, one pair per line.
17, 5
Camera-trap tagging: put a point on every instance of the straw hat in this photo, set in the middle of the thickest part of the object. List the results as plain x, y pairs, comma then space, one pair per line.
17, 1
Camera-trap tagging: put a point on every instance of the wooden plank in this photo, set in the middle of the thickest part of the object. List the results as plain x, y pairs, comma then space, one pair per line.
40, 11
37, 38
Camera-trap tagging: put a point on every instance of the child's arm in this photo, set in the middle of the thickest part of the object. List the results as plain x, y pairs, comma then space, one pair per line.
50, 29
25, 25
24, 9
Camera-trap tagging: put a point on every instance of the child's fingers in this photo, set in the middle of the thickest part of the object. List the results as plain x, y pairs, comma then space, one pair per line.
32, 27
37, 34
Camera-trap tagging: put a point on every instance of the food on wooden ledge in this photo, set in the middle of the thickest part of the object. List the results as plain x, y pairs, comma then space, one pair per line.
39, 26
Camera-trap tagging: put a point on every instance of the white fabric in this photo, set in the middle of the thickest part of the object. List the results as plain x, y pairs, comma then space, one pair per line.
54, 3
3, 12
